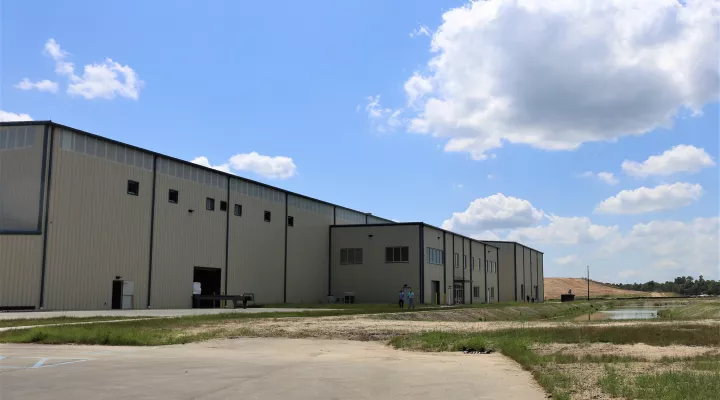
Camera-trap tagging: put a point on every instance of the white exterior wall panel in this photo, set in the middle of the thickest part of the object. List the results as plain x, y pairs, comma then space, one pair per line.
97, 231
20, 270
182, 239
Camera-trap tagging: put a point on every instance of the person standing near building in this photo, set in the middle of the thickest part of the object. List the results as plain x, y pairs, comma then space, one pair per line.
402, 298
411, 299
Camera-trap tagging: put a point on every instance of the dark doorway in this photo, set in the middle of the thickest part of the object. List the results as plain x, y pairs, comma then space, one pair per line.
210, 282
435, 290
117, 293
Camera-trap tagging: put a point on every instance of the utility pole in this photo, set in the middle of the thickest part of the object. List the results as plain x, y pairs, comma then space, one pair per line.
588, 281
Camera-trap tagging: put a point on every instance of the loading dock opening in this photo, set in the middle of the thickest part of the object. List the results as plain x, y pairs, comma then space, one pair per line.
210, 280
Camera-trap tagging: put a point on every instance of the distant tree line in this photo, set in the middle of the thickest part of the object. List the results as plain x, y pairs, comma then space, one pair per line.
684, 285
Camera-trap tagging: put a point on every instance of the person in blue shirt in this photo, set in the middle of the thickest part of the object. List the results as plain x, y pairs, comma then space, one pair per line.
411, 299
402, 298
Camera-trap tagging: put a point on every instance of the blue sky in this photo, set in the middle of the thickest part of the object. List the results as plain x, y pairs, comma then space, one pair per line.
443, 112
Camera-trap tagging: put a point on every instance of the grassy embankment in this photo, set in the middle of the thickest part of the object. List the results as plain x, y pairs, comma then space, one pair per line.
7, 323
643, 361
165, 331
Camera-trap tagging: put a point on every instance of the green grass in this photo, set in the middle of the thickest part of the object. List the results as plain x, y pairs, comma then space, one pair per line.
670, 385
6, 323
697, 309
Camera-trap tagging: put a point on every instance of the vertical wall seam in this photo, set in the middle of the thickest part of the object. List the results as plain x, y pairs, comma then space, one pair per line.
515, 269
286, 243
487, 298
42, 179
444, 268
227, 234
43, 265
152, 230
422, 264
472, 265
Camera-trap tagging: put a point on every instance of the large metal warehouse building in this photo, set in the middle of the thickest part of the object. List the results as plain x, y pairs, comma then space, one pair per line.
80, 213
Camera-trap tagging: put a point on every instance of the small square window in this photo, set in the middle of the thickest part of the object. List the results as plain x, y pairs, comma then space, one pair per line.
223, 205
291, 220
210, 204
173, 196
133, 188
238, 209
267, 216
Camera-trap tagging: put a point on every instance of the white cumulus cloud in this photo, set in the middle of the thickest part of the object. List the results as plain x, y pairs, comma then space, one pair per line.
104, 80
44, 85
278, 167
578, 71
681, 158
495, 212
6, 116
644, 200
564, 231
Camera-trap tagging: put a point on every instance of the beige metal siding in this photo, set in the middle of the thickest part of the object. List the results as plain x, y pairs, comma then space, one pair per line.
20, 259
20, 177
506, 270
541, 281
182, 239
344, 216
375, 281
20, 182
478, 271
97, 231
433, 272
308, 241
527, 273
493, 255
257, 247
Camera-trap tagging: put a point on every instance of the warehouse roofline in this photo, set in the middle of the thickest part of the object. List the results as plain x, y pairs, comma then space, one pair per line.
415, 223
51, 123
510, 241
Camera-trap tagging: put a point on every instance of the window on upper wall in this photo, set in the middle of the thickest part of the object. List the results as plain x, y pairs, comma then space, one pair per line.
291, 220
476, 291
210, 204
435, 256
223, 205
173, 196
133, 188
399, 254
464, 261
351, 256
238, 210
456, 260
267, 216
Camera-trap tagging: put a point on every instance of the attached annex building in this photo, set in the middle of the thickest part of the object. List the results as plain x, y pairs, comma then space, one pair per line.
83, 217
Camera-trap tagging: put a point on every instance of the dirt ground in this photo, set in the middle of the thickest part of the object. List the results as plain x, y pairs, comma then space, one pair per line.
640, 351
554, 287
364, 327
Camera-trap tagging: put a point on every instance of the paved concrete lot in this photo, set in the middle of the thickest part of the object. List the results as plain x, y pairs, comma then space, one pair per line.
257, 369
144, 313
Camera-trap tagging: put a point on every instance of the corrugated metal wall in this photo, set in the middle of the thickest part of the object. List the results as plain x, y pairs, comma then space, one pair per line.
257, 247
433, 272
343, 216
20, 210
97, 231
375, 281
182, 239
307, 261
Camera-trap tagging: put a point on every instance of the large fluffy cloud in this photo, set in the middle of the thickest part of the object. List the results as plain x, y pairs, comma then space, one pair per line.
681, 158
278, 167
496, 212
104, 80
564, 231
578, 71
643, 200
